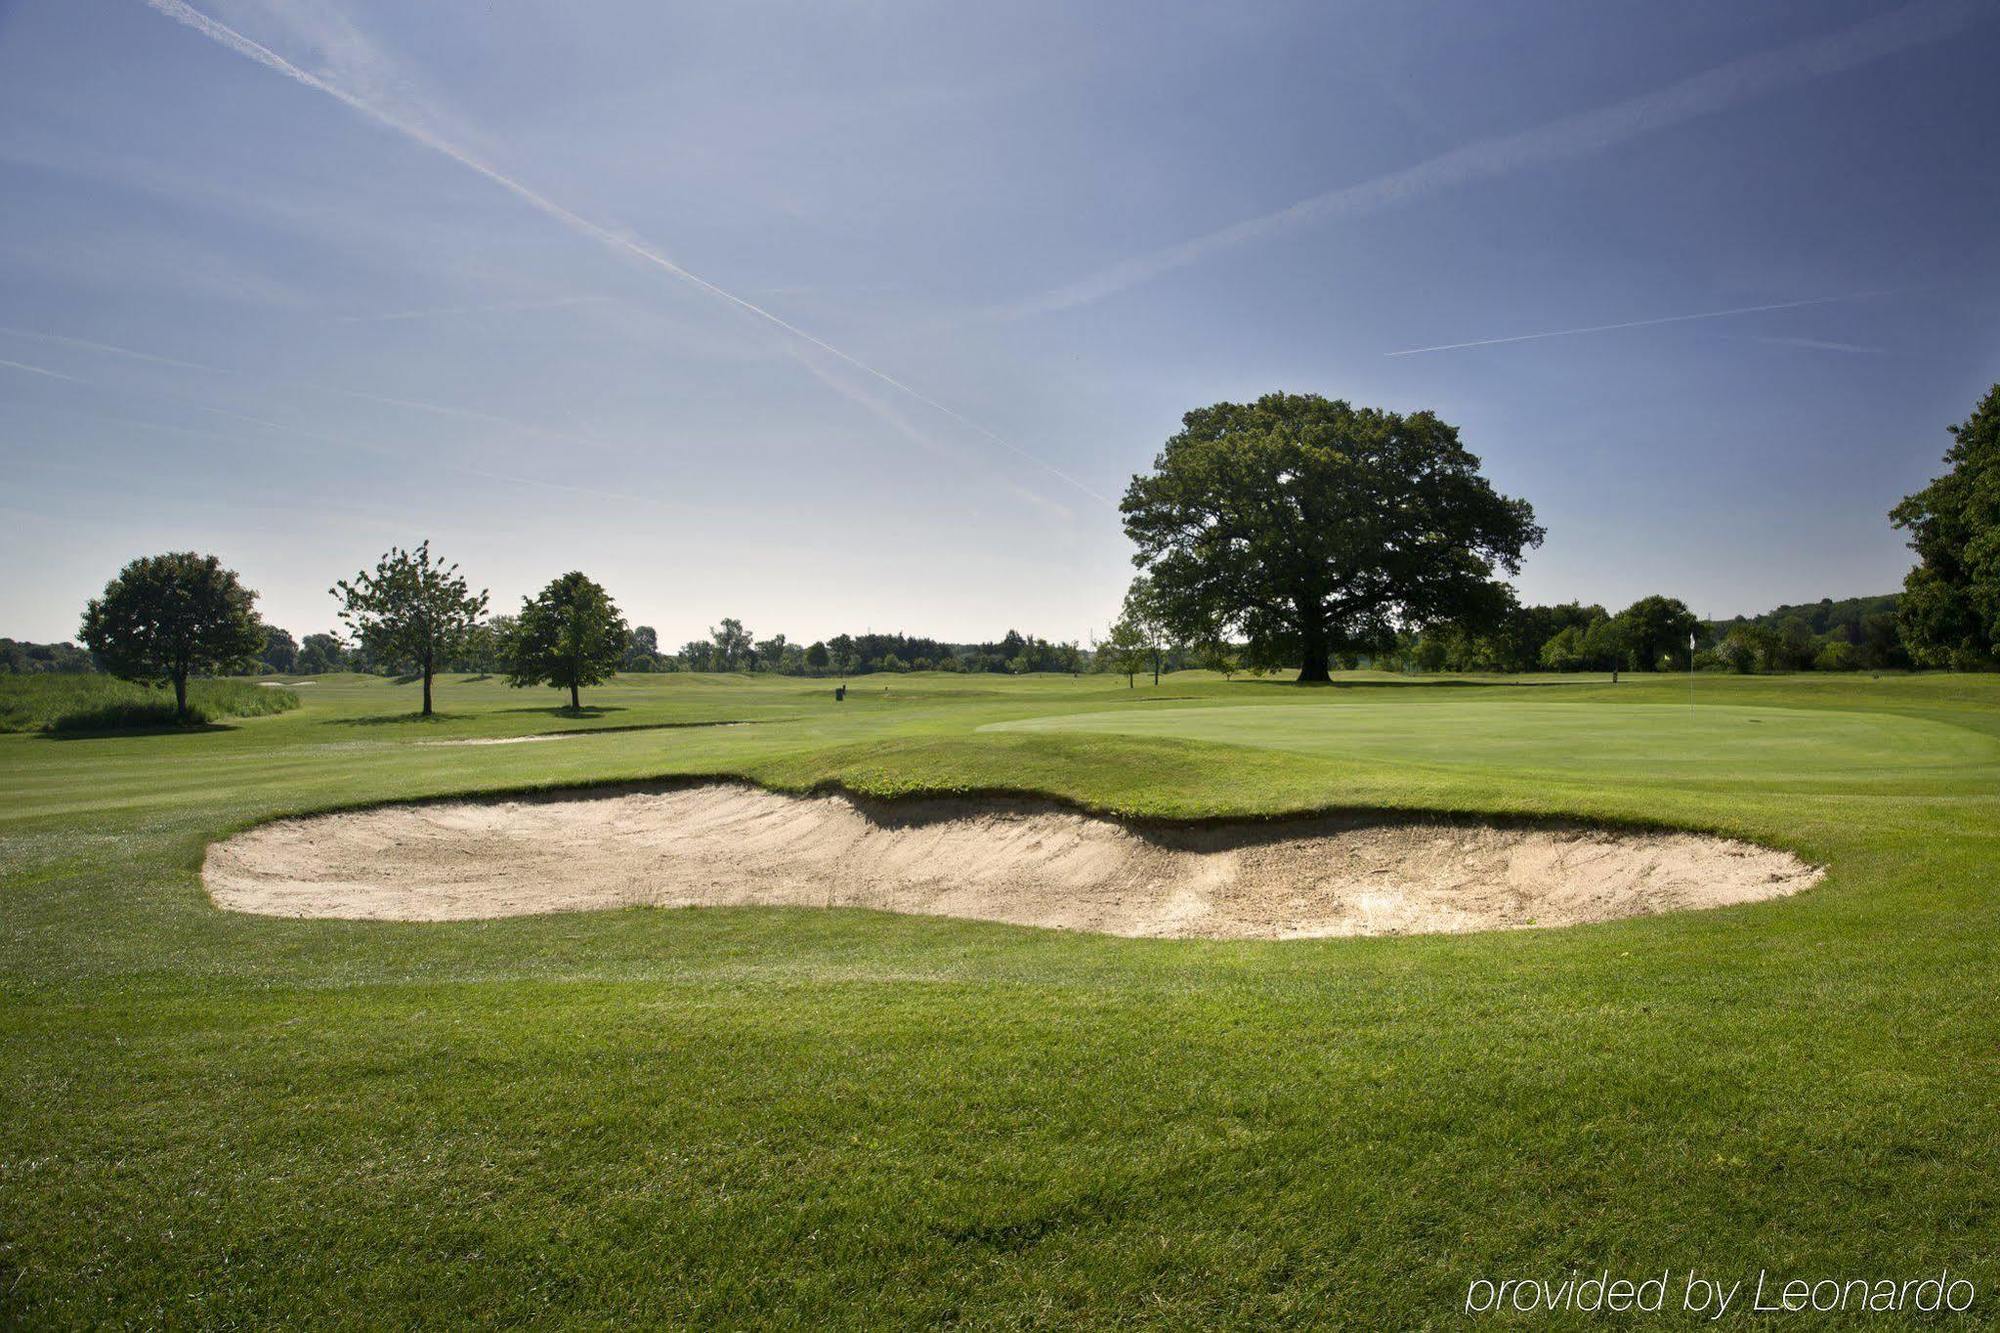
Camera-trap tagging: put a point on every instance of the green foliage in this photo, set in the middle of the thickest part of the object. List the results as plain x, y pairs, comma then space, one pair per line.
22, 658
411, 609
1950, 609
72, 703
1124, 650
1656, 632
733, 647
168, 617
642, 654
1314, 528
321, 653
280, 652
570, 635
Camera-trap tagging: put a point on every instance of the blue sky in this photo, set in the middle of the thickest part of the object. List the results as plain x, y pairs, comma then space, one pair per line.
836, 316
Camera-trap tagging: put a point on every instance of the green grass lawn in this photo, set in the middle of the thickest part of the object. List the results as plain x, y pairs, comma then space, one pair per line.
716, 1117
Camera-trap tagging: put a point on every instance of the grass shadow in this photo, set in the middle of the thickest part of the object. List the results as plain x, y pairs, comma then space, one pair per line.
564, 710
106, 733
1415, 683
390, 719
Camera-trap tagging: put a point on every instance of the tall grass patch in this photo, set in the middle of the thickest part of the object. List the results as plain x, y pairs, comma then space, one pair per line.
70, 704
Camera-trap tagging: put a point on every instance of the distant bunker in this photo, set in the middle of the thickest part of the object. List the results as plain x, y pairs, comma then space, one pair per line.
1020, 862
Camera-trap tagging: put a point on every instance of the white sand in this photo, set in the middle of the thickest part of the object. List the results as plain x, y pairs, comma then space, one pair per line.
1019, 862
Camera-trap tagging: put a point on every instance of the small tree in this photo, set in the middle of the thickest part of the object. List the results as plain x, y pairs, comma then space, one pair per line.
817, 658
1123, 650
569, 635
167, 617
1145, 611
410, 608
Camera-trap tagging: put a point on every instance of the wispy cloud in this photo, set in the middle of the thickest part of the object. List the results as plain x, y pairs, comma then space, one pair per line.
1816, 344
1571, 137
497, 307
617, 241
1634, 324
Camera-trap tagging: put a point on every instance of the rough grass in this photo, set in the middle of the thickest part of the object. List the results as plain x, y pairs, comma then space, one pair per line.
74, 703
801, 1118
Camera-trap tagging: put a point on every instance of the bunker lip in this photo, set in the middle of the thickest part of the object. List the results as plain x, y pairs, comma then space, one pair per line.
1011, 860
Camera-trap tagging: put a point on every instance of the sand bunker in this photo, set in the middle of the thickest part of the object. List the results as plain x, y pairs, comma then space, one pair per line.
1019, 862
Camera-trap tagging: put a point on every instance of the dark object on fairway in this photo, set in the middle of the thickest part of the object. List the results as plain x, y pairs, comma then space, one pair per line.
839, 693
1614, 677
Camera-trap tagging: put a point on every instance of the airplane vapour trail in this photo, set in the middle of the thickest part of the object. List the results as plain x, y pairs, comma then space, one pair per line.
1571, 137
25, 368
1633, 324
181, 12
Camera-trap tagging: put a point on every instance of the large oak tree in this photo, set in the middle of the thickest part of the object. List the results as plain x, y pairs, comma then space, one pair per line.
1314, 528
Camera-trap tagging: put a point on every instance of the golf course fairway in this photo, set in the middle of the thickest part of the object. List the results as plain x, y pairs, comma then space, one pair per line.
705, 1116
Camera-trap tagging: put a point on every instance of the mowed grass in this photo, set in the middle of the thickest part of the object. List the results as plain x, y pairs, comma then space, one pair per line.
813, 1118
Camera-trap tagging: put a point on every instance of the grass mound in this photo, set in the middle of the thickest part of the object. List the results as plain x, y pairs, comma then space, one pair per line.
74, 704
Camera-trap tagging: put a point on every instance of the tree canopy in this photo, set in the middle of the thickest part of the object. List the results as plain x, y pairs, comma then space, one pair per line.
410, 609
1314, 528
1949, 614
166, 617
569, 635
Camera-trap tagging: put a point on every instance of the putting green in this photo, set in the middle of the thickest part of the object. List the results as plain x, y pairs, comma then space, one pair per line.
1566, 737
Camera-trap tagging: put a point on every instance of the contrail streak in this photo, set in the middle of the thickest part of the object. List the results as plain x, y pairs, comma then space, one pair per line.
1631, 324
39, 370
184, 13
1571, 137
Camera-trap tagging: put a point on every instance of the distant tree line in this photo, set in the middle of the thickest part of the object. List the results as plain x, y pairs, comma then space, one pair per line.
1295, 531
730, 647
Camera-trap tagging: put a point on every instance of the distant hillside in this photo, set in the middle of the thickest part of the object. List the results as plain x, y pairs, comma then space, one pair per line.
1825, 615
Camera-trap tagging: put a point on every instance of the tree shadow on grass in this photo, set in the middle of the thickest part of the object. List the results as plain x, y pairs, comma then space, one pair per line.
390, 719
107, 733
564, 710
1409, 684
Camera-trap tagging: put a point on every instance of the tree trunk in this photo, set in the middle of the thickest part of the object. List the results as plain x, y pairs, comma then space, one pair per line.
575, 702
1314, 657
1315, 660
427, 685
181, 695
